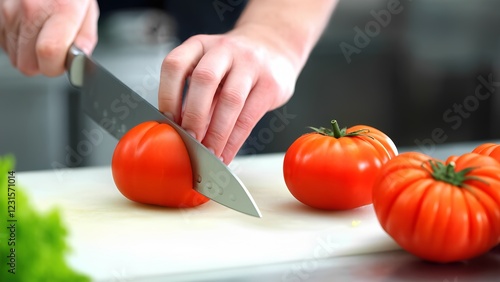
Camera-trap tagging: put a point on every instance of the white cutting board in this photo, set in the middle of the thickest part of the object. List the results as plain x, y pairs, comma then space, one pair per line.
114, 239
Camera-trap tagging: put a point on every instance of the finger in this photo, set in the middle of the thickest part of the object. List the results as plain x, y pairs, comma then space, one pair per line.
86, 39
229, 105
2, 27
175, 69
33, 17
10, 10
2, 36
205, 80
214, 103
51, 47
256, 106
2, 40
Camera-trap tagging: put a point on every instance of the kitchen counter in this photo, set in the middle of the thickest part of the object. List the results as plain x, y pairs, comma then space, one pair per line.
114, 239
391, 266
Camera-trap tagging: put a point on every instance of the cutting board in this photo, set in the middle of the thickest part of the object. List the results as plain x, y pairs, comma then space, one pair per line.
113, 238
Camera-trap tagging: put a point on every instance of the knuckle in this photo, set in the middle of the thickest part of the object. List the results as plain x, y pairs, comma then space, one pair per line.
217, 137
224, 41
28, 70
269, 82
250, 55
197, 38
49, 50
5, 13
245, 122
172, 63
30, 9
166, 100
8, 14
232, 97
271, 85
193, 117
204, 75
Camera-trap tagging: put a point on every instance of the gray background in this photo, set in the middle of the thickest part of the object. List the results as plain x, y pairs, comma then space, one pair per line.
427, 58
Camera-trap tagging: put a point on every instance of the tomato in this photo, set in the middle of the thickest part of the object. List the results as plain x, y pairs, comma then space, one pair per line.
488, 149
151, 165
335, 169
440, 211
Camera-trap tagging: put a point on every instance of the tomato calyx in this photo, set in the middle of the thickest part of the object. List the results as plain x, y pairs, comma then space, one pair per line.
446, 173
337, 132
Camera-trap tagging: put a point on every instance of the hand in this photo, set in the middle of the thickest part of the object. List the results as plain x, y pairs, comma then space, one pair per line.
233, 80
36, 34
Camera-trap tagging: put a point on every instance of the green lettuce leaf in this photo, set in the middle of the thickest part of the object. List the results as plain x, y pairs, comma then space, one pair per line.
32, 244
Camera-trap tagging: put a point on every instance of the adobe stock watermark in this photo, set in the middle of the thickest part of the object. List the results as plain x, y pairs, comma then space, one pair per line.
456, 114
217, 183
326, 244
265, 135
92, 138
223, 6
255, 144
120, 275
362, 37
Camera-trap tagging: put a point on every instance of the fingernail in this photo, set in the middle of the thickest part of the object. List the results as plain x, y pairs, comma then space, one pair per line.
170, 116
213, 152
191, 133
85, 49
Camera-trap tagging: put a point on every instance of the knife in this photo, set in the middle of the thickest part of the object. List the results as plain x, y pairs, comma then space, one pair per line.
117, 108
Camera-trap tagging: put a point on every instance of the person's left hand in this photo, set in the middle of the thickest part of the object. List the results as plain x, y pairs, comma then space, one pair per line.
234, 79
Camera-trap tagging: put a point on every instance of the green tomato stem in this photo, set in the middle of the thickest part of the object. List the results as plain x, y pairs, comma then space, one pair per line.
337, 133
446, 173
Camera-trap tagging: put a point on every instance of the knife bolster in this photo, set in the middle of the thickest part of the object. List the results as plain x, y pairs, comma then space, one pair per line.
75, 65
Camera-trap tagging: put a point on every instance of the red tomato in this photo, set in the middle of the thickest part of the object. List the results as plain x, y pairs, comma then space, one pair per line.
151, 165
440, 211
489, 149
335, 169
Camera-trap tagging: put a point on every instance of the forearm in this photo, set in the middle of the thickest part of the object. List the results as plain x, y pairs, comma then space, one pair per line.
293, 25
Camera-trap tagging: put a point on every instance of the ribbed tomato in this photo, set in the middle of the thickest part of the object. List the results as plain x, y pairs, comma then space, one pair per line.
440, 211
335, 169
489, 149
151, 165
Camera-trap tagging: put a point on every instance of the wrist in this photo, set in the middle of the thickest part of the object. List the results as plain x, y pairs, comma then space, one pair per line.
292, 27
279, 42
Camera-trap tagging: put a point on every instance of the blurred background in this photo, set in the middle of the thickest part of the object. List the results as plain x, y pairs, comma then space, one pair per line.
425, 75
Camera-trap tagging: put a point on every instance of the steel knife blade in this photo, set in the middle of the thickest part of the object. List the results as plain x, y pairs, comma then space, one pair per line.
117, 108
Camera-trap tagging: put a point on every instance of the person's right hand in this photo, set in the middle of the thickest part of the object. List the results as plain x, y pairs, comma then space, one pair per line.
36, 34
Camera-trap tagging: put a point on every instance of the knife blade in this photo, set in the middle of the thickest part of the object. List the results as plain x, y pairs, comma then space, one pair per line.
117, 108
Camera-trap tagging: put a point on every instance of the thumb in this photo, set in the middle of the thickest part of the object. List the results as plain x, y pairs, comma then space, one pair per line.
86, 38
